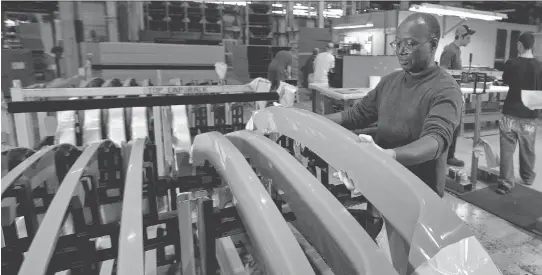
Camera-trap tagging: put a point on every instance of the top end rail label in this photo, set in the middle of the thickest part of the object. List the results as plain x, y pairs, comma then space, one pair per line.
176, 90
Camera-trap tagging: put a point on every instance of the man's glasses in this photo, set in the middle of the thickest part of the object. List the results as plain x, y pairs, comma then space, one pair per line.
408, 44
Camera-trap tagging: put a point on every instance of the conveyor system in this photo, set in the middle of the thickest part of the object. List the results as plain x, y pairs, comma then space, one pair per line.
97, 201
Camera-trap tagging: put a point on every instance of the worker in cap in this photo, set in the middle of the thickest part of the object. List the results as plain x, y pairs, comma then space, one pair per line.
450, 59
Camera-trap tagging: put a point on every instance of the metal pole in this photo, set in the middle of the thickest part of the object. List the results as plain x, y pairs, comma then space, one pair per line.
186, 238
476, 140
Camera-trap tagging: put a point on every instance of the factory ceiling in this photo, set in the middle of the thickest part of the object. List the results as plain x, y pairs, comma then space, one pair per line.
521, 12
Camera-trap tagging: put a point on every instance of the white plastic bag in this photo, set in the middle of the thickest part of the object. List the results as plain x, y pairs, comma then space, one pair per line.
287, 94
532, 99
260, 85
221, 68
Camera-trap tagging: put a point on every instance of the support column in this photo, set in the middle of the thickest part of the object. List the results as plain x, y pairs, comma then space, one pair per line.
404, 5
343, 7
320, 14
354, 8
71, 50
135, 19
112, 21
290, 18
365, 5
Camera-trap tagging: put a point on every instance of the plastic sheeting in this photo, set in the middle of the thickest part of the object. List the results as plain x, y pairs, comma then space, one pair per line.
92, 127
466, 257
532, 99
65, 132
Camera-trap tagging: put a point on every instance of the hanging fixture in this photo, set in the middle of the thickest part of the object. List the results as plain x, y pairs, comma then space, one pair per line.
368, 25
459, 12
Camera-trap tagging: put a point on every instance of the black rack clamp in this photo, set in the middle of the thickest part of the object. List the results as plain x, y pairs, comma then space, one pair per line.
466, 77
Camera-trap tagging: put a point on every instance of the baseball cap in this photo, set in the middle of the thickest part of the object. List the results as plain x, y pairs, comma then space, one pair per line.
464, 30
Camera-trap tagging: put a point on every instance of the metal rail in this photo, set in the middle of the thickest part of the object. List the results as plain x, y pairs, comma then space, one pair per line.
131, 253
43, 245
322, 219
273, 240
423, 221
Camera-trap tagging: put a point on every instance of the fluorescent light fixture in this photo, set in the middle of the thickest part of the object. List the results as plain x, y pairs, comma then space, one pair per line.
233, 3
459, 12
368, 25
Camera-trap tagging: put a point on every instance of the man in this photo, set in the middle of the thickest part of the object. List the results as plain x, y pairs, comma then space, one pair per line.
518, 122
323, 64
308, 68
451, 59
417, 108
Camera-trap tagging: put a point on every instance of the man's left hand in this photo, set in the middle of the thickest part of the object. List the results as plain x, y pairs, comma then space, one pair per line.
369, 139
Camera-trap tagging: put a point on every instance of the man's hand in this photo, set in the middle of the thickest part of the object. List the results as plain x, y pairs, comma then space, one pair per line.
343, 176
369, 139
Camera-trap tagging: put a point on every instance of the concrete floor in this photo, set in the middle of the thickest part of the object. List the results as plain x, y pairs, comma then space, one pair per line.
514, 251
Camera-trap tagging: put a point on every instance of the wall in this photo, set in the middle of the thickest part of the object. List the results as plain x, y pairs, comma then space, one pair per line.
383, 22
354, 76
376, 36
482, 44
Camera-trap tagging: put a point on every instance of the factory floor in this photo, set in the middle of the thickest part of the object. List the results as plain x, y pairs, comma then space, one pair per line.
514, 251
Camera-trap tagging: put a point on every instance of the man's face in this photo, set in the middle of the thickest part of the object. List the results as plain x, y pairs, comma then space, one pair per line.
413, 48
465, 40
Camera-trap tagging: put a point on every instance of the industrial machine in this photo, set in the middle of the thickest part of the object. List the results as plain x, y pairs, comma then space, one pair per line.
165, 179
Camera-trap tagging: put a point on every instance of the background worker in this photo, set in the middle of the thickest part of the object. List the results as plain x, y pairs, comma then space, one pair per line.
323, 64
279, 68
518, 124
451, 59
308, 68
417, 108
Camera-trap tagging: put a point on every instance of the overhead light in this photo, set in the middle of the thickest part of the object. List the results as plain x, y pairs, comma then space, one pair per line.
368, 25
459, 12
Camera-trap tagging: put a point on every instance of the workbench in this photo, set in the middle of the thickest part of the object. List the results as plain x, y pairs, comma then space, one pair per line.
323, 96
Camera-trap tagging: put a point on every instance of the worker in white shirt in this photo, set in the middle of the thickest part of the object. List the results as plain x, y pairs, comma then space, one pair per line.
323, 64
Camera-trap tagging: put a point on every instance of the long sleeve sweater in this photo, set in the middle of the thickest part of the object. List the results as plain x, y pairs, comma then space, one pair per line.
407, 108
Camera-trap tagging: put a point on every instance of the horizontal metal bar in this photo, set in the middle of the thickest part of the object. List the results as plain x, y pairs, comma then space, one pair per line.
131, 257
273, 240
138, 91
109, 103
101, 67
43, 245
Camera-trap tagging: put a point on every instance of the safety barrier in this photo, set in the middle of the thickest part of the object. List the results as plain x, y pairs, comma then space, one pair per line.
281, 222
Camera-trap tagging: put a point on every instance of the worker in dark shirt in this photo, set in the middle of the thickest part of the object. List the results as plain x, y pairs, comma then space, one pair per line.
308, 68
518, 122
451, 59
417, 108
279, 68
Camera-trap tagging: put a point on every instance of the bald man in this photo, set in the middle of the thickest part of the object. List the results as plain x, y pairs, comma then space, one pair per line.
417, 109
323, 64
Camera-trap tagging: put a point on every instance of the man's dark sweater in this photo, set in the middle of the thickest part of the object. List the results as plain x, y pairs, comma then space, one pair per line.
521, 74
408, 107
